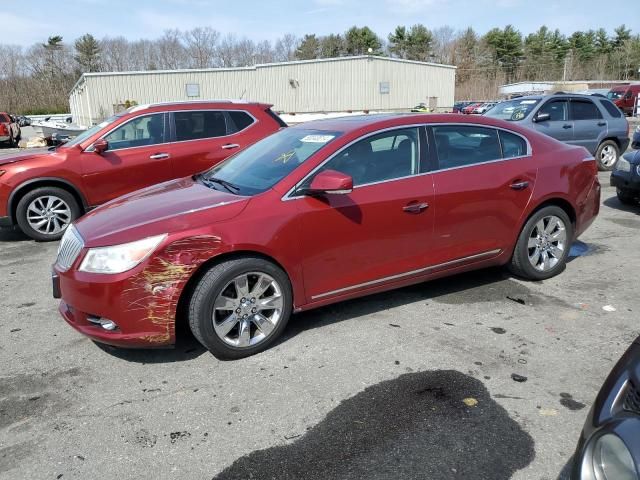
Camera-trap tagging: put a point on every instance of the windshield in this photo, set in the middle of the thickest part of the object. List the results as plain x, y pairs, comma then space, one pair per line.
88, 133
615, 94
262, 165
513, 110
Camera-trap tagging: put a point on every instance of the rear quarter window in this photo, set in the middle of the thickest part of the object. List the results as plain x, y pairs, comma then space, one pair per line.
239, 121
4, 118
611, 108
512, 145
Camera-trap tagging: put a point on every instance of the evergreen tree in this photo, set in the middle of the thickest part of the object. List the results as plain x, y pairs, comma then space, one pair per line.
87, 53
309, 48
332, 46
358, 41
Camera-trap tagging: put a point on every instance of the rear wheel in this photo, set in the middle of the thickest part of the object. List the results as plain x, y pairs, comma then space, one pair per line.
543, 245
607, 155
240, 307
625, 197
45, 213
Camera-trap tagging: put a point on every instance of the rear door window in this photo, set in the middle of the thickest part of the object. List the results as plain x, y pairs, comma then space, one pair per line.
139, 132
199, 124
463, 145
584, 110
557, 109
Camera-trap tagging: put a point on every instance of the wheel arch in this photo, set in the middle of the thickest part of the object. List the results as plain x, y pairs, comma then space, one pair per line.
25, 187
556, 201
187, 291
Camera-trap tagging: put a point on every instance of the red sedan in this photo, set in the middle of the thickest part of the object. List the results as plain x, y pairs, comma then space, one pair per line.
44, 191
319, 213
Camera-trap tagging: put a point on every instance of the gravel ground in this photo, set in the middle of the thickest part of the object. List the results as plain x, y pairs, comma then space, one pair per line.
414, 383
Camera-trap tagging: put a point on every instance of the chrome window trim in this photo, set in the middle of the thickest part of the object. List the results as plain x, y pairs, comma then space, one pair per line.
408, 274
89, 149
288, 196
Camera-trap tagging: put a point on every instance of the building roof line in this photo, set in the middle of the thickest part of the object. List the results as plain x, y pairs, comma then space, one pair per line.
257, 66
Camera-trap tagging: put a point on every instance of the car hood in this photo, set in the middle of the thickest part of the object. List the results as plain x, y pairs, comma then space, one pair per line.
165, 208
22, 156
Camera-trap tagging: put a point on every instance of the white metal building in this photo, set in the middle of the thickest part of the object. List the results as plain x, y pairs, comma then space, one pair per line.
326, 85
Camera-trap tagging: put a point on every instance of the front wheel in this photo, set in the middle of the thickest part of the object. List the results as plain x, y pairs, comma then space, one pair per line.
607, 155
240, 307
543, 245
45, 213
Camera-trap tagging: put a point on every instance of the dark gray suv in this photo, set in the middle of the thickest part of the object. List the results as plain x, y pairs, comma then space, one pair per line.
590, 121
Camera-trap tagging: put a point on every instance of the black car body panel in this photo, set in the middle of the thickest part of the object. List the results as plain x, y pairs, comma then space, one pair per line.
616, 410
628, 181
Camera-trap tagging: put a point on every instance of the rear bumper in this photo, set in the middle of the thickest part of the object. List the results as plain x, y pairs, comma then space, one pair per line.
4, 138
589, 209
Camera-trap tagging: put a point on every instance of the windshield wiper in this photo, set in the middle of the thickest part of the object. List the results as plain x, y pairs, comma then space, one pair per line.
232, 188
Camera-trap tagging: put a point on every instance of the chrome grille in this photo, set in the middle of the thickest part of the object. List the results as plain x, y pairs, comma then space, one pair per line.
632, 399
70, 247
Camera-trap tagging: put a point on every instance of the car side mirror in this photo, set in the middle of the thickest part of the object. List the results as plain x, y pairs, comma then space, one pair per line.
542, 117
100, 146
330, 182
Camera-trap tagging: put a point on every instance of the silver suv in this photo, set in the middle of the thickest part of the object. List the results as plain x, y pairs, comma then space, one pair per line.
590, 121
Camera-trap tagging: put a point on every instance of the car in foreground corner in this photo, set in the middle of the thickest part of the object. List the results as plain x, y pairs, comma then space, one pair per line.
42, 192
626, 178
609, 446
592, 122
318, 213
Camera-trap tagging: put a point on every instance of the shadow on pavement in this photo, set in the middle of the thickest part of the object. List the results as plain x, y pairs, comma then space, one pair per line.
12, 235
413, 427
613, 202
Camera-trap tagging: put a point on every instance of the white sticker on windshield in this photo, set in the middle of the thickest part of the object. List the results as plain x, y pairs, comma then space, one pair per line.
528, 102
317, 138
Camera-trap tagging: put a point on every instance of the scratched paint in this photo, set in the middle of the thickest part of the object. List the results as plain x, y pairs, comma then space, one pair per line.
154, 292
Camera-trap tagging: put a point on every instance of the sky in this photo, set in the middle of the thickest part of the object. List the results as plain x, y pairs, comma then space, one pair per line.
35, 20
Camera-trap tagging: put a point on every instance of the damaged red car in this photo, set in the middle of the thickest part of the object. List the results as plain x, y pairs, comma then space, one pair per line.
318, 213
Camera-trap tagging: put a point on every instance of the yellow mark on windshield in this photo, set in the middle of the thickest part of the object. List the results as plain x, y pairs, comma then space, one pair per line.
285, 157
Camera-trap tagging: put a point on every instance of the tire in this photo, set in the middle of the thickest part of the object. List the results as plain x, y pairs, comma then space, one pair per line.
607, 155
218, 286
626, 197
32, 209
525, 263
12, 142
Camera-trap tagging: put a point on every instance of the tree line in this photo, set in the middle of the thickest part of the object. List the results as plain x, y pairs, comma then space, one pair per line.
38, 79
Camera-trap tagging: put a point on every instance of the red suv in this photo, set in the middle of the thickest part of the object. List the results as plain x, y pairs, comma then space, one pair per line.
318, 213
43, 192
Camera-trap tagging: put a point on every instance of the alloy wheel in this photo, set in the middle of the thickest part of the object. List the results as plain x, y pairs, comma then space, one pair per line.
547, 243
248, 309
48, 215
608, 156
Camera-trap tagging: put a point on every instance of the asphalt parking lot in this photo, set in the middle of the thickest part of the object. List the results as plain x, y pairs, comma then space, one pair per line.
414, 383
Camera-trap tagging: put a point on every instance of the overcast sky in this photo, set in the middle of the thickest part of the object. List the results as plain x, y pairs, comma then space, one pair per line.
34, 20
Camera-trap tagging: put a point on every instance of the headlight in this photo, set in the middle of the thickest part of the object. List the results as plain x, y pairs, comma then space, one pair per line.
612, 459
119, 258
623, 165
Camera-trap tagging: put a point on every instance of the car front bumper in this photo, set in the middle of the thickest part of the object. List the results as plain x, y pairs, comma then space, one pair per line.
142, 307
615, 411
628, 181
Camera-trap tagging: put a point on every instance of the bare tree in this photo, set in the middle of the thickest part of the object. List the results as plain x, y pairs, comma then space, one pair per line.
284, 49
172, 54
201, 46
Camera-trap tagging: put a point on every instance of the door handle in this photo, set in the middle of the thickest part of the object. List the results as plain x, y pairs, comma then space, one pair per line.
566, 125
159, 156
602, 124
415, 207
519, 185
229, 146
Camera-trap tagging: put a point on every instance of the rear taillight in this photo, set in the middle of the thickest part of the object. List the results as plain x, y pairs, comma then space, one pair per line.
3, 129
